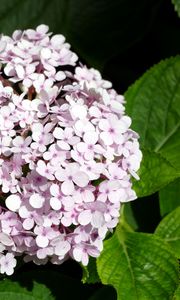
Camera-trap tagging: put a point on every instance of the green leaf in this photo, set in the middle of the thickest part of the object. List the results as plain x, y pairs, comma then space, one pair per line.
90, 274
140, 266
177, 294
42, 285
177, 6
129, 216
97, 29
153, 102
10, 290
169, 197
169, 230
155, 172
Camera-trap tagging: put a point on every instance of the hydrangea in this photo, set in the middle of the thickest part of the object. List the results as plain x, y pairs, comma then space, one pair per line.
67, 152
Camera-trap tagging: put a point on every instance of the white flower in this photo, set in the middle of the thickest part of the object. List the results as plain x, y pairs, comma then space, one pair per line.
7, 264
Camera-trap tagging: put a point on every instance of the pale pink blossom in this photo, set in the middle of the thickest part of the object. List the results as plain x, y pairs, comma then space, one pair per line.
67, 152
113, 128
89, 147
41, 83
38, 34
45, 170
112, 191
69, 176
41, 136
21, 145
55, 155
65, 138
82, 251
5, 145
7, 264
93, 213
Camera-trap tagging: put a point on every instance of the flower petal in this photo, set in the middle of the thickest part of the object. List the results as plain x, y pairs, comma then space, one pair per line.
81, 179
67, 187
85, 217
42, 241
13, 202
36, 200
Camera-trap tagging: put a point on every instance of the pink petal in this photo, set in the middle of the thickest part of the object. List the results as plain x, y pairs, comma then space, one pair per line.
90, 137
107, 138
67, 187
78, 111
81, 179
36, 200
81, 147
102, 198
114, 212
28, 224
102, 231
18, 141
2, 46
60, 76
57, 39
66, 221
63, 145
114, 185
88, 196
42, 241
85, 259
104, 125
42, 28
95, 112
5, 239
58, 133
84, 125
13, 202
54, 189
126, 120
116, 196
97, 219
62, 248
77, 253
45, 53
20, 71
73, 140
41, 253
99, 149
55, 203
85, 217
93, 251
68, 203
118, 138
60, 174
89, 155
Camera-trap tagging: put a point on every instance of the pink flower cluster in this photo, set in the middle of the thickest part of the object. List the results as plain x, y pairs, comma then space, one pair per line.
67, 152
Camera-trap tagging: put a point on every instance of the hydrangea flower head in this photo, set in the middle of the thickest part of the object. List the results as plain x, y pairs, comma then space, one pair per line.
62, 129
